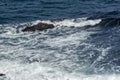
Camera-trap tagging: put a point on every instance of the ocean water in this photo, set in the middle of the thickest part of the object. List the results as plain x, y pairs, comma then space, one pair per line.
84, 45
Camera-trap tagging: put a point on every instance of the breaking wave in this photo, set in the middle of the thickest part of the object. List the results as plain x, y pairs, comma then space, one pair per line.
67, 52
79, 22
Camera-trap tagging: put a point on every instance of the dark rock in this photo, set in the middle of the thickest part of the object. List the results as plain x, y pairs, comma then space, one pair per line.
1, 74
39, 26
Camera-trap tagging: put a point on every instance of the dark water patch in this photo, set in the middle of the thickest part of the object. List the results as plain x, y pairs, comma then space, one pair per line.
110, 22
103, 15
108, 19
52, 2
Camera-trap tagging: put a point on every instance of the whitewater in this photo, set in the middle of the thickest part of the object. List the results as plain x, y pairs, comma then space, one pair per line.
70, 51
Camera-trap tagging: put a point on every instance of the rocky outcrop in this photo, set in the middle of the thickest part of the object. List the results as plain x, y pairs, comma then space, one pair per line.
39, 26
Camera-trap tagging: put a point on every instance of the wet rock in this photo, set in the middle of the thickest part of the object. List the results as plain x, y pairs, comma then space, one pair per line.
39, 26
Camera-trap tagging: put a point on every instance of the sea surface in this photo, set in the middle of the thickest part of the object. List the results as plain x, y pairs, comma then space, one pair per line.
84, 45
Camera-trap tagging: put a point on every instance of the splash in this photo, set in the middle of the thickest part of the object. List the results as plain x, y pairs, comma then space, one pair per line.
62, 53
79, 22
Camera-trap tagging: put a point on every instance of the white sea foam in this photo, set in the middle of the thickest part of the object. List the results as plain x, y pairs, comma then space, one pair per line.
61, 41
79, 22
49, 58
37, 71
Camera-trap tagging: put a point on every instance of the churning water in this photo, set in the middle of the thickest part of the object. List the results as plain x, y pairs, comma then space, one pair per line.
84, 45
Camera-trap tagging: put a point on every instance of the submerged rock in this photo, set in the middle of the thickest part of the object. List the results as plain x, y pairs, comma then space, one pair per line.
39, 26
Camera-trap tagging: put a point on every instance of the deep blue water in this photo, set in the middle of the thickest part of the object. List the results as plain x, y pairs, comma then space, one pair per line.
12, 11
83, 46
